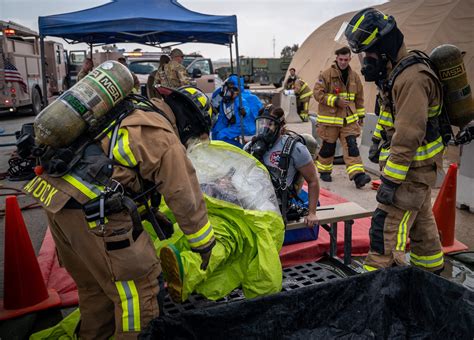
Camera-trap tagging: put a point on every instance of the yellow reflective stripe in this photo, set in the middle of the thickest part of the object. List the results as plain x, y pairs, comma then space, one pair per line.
371, 37
360, 112
385, 118
378, 131
402, 232
87, 189
395, 170
122, 152
369, 268
431, 261
355, 167
384, 153
352, 118
307, 94
434, 111
203, 236
324, 167
357, 24
330, 120
331, 99
429, 150
130, 304
303, 87
347, 95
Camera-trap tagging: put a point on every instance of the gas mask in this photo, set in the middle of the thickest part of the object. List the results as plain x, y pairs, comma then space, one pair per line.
268, 130
227, 93
374, 69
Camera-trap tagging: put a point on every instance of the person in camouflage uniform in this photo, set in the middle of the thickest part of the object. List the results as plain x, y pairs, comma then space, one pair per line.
175, 74
87, 66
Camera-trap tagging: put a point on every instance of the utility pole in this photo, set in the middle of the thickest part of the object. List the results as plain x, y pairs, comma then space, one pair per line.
273, 46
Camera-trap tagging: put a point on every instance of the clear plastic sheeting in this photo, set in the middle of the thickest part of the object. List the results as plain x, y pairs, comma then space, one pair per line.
230, 174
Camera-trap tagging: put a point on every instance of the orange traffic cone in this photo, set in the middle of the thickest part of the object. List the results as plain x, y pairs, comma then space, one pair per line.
24, 288
444, 211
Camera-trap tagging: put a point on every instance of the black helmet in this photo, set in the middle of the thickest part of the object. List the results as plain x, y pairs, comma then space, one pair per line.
366, 28
191, 108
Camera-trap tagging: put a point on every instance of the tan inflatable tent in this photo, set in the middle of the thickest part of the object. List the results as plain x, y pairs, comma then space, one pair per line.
425, 24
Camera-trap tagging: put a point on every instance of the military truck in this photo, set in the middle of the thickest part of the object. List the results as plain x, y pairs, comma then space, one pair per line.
264, 71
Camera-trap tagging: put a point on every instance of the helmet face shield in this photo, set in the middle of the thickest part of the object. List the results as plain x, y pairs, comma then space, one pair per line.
267, 128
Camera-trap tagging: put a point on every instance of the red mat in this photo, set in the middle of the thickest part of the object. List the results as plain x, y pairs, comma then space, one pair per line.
311, 251
55, 276
58, 278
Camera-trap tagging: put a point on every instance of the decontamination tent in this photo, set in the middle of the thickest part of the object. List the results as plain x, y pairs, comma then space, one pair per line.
150, 22
425, 24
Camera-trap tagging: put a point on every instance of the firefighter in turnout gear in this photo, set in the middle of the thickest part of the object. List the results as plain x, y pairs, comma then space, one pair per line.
411, 153
102, 208
340, 95
303, 95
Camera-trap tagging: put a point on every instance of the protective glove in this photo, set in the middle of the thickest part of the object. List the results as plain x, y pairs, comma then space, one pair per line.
386, 191
374, 151
205, 257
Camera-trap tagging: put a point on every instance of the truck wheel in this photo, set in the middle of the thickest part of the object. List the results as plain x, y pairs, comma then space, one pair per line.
36, 101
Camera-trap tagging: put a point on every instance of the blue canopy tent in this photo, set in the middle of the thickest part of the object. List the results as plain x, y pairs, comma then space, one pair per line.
149, 22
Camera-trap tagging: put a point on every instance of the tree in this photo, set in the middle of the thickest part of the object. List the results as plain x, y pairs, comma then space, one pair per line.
289, 51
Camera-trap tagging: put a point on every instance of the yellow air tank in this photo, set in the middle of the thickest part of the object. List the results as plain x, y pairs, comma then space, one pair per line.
82, 106
448, 59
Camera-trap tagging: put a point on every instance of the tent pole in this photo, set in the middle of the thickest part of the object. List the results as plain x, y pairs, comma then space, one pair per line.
90, 46
230, 50
242, 132
43, 72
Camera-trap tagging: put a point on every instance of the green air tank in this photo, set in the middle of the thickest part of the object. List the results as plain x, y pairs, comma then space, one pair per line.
458, 102
82, 106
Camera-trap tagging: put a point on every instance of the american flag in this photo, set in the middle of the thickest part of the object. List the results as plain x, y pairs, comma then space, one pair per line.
12, 75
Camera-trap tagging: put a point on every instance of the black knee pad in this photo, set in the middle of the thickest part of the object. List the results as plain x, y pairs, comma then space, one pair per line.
353, 150
376, 231
327, 150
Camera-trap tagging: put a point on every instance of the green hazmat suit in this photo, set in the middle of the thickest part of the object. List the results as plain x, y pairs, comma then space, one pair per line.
249, 231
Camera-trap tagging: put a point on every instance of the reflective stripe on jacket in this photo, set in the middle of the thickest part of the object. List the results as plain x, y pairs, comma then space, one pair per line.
329, 87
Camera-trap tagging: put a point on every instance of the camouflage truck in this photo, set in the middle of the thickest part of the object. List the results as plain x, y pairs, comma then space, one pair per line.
264, 71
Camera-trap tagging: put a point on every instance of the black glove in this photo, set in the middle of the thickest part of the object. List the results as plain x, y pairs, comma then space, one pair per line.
205, 257
386, 191
242, 111
374, 151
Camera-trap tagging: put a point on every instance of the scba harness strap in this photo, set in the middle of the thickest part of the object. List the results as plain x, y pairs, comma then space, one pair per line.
282, 188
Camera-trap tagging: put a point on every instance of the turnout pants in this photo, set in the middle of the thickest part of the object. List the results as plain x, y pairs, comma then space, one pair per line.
392, 226
347, 135
302, 106
117, 284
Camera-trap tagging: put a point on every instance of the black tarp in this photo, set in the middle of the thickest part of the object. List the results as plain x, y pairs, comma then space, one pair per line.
397, 303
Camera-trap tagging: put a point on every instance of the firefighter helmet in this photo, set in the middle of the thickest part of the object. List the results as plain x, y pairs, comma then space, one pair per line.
366, 28
191, 108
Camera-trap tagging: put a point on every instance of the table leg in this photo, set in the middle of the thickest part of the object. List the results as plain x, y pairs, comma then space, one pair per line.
348, 241
333, 240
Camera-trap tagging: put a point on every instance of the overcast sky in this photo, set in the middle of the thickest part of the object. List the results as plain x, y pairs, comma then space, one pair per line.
259, 21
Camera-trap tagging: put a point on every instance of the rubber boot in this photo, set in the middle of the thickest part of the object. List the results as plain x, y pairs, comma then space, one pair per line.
361, 180
326, 176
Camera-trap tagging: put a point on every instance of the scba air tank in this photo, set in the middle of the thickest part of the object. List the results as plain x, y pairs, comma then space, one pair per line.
82, 106
448, 59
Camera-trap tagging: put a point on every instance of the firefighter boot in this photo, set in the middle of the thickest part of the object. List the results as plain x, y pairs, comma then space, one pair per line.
361, 180
326, 176
173, 271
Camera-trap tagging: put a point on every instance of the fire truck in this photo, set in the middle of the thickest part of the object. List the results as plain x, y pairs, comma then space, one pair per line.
20, 69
